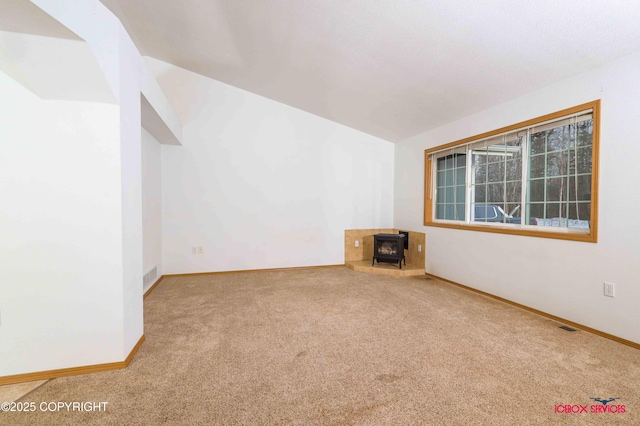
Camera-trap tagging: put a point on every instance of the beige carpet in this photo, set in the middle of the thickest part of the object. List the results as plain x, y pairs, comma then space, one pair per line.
334, 346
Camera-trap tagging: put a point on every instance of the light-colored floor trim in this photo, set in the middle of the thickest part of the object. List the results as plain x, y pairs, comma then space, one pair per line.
544, 314
293, 268
52, 374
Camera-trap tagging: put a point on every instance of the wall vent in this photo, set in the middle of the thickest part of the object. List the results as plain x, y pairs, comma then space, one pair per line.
150, 276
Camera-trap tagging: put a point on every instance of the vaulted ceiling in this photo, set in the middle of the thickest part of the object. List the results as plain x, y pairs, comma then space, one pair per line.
390, 68
47, 58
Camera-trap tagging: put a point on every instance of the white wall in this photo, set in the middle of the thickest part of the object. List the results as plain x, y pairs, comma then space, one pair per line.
122, 69
131, 189
259, 184
562, 278
151, 206
60, 235
71, 238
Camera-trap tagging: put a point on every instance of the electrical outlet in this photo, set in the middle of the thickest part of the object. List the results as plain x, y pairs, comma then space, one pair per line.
193, 250
357, 243
609, 289
200, 250
419, 248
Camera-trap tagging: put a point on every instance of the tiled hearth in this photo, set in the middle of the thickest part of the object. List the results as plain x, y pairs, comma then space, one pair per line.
359, 258
11, 393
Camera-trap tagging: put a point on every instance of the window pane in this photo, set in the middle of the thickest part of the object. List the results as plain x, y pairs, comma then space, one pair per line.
580, 211
583, 159
484, 212
450, 187
537, 144
493, 157
497, 151
481, 174
448, 162
460, 194
584, 210
556, 189
495, 193
513, 170
480, 194
448, 174
568, 152
449, 194
583, 191
513, 192
440, 179
461, 160
448, 211
554, 210
536, 166
559, 138
557, 164
460, 175
536, 211
479, 156
514, 209
536, 190
585, 133
495, 172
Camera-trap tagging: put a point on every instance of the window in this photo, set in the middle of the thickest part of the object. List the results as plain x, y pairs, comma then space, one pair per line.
536, 178
450, 184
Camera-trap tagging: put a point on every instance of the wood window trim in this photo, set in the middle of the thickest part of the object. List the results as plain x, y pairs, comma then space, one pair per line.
591, 237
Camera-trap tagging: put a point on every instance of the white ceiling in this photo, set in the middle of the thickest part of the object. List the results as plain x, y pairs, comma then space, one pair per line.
390, 68
47, 58
22, 16
53, 67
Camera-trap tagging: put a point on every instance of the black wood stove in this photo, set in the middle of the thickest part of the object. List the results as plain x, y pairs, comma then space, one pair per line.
389, 248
